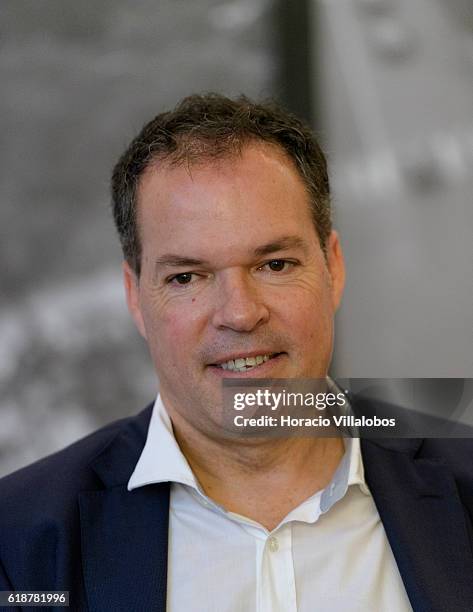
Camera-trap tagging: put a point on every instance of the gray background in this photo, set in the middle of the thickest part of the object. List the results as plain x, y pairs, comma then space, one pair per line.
389, 91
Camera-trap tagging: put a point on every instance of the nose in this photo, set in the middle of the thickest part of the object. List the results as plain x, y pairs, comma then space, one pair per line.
239, 306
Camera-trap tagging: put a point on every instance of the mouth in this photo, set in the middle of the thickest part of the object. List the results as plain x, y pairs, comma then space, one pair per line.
245, 363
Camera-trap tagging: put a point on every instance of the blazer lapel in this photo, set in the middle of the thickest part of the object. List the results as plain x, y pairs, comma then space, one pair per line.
124, 548
124, 534
424, 519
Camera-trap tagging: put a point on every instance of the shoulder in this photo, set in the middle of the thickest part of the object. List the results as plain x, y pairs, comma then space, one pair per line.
427, 437
456, 453
40, 533
47, 487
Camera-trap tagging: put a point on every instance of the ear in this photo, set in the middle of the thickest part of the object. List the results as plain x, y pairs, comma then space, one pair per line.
336, 267
132, 291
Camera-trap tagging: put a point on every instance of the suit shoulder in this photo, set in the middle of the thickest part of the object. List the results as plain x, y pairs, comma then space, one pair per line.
456, 453
44, 487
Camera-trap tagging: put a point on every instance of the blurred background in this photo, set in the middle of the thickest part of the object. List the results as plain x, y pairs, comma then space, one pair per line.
388, 87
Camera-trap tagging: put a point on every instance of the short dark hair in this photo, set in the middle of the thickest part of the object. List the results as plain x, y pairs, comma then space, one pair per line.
208, 126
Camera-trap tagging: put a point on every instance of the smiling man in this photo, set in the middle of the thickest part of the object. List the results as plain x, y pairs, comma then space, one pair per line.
232, 271
234, 282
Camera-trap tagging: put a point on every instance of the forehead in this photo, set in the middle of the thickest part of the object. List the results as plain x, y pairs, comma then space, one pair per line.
247, 196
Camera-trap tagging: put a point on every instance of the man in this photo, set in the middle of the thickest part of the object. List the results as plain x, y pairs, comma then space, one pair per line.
232, 270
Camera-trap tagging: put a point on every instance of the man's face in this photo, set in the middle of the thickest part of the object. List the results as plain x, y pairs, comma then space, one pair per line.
233, 280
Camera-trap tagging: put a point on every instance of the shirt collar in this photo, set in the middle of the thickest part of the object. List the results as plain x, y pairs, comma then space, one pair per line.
163, 461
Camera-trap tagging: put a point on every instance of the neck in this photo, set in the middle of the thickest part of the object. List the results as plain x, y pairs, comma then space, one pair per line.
261, 480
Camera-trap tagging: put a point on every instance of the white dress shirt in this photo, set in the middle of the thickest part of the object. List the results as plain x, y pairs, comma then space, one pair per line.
330, 554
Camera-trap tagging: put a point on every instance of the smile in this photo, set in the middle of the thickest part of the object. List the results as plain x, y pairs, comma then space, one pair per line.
242, 364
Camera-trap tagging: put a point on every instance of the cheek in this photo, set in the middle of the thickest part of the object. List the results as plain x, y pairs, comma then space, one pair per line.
308, 314
174, 328
307, 302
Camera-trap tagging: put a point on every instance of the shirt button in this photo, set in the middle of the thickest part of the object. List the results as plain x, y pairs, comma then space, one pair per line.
273, 544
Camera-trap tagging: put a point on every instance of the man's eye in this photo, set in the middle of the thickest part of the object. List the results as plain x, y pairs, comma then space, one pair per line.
181, 279
278, 265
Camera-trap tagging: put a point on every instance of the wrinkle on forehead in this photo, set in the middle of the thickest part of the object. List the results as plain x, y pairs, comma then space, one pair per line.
222, 195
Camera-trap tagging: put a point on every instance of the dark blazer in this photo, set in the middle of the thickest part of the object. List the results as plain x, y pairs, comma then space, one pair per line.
68, 522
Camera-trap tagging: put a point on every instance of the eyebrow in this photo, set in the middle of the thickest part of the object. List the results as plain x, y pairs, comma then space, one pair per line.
281, 244
177, 261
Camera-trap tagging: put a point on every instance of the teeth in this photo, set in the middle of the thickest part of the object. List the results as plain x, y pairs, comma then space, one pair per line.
243, 364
